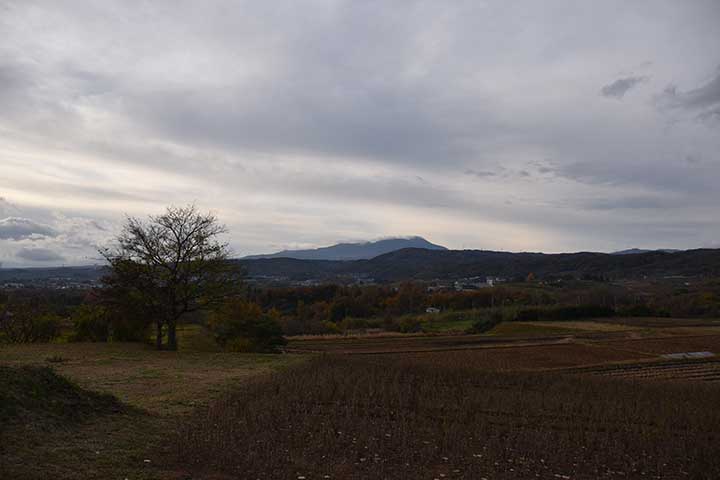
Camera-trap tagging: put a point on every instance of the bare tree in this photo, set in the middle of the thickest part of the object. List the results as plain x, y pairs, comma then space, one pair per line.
171, 265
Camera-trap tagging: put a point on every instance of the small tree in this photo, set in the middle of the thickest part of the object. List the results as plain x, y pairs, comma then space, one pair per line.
169, 266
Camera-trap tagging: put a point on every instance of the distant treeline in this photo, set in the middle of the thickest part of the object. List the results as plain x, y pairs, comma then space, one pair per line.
403, 307
329, 308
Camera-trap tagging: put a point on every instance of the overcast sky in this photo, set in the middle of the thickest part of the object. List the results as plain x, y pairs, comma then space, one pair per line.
506, 125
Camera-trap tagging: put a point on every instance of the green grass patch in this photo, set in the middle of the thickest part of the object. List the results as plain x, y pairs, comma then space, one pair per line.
522, 329
447, 322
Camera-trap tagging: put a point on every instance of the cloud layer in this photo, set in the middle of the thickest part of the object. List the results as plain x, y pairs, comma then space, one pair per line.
475, 124
39, 254
16, 228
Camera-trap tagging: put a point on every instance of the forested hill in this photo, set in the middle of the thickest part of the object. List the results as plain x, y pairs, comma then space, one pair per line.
422, 264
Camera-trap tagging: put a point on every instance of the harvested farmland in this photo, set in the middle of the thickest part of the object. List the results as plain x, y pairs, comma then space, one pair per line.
355, 417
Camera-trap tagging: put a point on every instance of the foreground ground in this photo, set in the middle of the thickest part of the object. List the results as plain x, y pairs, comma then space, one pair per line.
529, 400
157, 391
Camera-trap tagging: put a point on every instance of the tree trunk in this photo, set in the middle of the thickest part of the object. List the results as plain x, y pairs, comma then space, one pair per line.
159, 336
172, 338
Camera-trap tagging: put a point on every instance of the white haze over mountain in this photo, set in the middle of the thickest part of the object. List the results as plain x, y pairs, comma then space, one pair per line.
553, 126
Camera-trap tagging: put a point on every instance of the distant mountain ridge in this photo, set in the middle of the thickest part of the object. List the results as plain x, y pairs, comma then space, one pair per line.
353, 251
422, 264
425, 264
634, 251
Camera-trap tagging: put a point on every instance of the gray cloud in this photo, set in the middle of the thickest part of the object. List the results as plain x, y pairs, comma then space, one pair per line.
702, 102
17, 228
621, 86
632, 203
39, 254
710, 116
480, 174
679, 176
705, 96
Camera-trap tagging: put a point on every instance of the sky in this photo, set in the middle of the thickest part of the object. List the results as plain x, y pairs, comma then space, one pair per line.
505, 125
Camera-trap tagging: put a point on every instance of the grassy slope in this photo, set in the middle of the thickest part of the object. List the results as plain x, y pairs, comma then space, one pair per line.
160, 382
53, 428
38, 394
158, 390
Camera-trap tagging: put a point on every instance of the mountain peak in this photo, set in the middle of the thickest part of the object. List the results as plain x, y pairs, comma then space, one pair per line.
355, 251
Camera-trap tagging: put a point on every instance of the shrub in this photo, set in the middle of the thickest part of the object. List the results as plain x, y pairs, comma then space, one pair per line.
240, 345
563, 313
242, 326
641, 310
487, 322
528, 315
407, 324
352, 323
125, 327
91, 324
331, 327
103, 323
28, 323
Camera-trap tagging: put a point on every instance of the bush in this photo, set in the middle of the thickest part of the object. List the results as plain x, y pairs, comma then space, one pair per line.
563, 313
126, 327
242, 326
350, 324
91, 324
103, 323
487, 322
240, 345
28, 323
408, 324
528, 315
641, 310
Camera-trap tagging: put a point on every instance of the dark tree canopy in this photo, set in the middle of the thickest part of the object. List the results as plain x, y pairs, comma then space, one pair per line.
170, 265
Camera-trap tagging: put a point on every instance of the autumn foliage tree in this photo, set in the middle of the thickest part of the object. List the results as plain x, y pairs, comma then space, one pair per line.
169, 266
